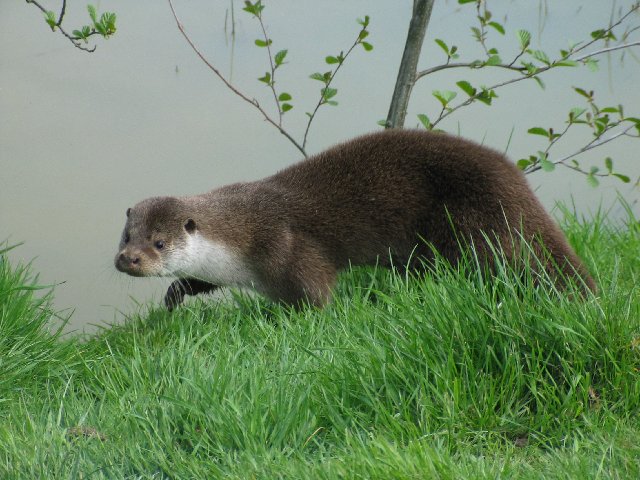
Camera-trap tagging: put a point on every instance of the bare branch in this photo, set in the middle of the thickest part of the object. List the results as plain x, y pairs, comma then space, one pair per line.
475, 65
62, 11
606, 50
408, 65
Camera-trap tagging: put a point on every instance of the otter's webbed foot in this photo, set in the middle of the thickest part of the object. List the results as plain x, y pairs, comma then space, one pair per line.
185, 286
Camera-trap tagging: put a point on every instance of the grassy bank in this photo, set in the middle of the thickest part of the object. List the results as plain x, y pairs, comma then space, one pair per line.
443, 377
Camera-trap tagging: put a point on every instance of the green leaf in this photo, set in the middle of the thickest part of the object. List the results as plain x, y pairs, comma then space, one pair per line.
531, 68
319, 76
442, 45
444, 96
50, 18
477, 34
363, 34
486, 96
333, 103
584, 93
538, 131
382, 123
525, 38
263, 43
365, 22
566, 63
545, 164
285, 107
540, 56
493, 60
253, 8
601, 123
592, 64
279, 57
424, 120
462, 2
101, 29
576, 113
608, 163
466, 87
539, 82
266, 79
592, 180
497, 26
284, 97
524, 163
108, 20
328, 93
622, 177
331, 60
92, 13
367, 46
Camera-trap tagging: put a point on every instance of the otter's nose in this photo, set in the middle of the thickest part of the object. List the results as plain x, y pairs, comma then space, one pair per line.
128, 263
129, 260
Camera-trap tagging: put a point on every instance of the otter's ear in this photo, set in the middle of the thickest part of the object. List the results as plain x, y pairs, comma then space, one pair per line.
128, 212
190, 226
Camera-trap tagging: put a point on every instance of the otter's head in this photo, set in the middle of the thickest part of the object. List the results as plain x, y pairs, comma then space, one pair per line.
157, 230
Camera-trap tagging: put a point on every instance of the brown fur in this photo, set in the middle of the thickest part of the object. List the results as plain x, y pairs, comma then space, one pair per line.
370, 200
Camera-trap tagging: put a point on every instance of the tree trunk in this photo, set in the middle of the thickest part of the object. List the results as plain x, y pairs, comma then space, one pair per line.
409, 64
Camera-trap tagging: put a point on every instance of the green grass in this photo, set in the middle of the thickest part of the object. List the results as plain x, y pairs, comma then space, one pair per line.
447, 376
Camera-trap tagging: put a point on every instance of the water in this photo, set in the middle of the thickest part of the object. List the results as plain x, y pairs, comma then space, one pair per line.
84, 136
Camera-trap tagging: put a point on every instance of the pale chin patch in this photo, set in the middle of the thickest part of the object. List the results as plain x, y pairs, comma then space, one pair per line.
210, 261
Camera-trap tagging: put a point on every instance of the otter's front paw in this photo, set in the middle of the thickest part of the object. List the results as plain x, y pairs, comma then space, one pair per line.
185, 286
175, 295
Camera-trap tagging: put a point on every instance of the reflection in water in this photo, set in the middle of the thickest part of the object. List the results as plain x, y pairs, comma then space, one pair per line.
85, 136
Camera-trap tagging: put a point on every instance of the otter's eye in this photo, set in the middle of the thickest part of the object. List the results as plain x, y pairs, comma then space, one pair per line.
159, 244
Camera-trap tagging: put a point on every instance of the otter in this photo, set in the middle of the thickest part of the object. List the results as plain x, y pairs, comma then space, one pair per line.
392, 198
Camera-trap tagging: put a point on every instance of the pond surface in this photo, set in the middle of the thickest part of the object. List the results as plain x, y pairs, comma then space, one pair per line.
84, 136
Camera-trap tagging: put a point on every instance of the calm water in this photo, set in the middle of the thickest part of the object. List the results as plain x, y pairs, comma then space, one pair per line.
84, 136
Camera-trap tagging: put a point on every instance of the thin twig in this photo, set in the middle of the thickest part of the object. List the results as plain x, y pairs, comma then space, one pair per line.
539, 70
607, 50
483, 33
515, 59
595, 143
273, 70
72, 39
475, 65
62, 11
251, 101
510, 66
531, 75
333, 75
555, 140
